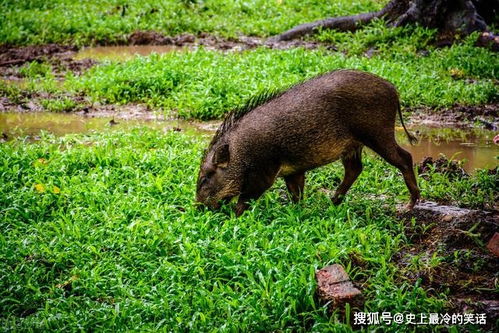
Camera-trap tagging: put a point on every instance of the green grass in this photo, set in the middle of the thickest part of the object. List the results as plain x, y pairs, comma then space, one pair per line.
206, 84
380, 38
91, 22
100, 232
35, 70
63, 104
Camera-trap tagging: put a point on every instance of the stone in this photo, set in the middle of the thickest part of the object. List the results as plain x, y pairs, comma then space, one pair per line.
493, 244
334, 287
446, 213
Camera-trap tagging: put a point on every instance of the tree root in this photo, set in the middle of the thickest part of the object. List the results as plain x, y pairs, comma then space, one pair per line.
450, 17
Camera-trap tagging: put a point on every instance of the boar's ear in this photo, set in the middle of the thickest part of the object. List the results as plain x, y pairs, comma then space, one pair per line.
221, 156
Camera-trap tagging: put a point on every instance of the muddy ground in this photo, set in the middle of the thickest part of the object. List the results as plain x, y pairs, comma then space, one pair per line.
483, 116
465, 270
459, 116
59, 56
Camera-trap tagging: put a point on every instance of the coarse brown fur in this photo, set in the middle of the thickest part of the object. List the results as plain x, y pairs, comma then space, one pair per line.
285, 134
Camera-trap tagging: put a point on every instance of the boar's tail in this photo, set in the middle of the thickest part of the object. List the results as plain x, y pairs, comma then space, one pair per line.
412, 139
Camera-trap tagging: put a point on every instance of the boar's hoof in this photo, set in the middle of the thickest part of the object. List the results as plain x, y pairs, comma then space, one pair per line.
240, 208
337, 199
409, 207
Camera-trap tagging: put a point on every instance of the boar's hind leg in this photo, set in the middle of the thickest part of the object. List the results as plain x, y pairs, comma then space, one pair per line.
402, 160
352, 162
295, 184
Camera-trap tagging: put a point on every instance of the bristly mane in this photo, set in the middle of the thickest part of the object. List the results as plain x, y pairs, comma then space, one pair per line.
236, 114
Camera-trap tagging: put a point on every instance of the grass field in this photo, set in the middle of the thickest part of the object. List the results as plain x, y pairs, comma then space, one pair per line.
110, 21
207, 84
99, 232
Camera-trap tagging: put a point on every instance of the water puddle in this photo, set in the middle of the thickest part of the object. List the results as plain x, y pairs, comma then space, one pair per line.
123, 52
473, 145
32, 125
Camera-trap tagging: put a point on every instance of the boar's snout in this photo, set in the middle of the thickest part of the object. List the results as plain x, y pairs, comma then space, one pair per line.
206, 202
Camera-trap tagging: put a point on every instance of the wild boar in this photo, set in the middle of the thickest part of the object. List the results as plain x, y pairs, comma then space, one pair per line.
284, 134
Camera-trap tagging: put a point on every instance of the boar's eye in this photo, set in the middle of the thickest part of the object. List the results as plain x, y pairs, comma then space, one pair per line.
207, 176
201, 181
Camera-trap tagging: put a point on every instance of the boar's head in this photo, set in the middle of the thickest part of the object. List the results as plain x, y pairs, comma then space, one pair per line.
218, 179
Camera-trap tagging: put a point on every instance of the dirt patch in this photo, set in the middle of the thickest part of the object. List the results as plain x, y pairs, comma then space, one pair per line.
217, 43
15, 55
148, 38
68, 64
448, 255
125, 112
484, 116
60, 57
81, 105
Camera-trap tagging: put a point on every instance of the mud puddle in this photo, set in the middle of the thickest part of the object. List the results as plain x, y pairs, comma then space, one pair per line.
475, 146
482, 116
32, 125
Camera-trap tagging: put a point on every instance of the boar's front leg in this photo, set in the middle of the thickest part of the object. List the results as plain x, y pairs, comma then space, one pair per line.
352, 162
256, 183
295, 184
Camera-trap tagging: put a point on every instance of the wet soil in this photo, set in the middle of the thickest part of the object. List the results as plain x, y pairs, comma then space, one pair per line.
65, 58
16, 55
61, 58
483, 116
448, 254
99, 53
214, 42
471, 148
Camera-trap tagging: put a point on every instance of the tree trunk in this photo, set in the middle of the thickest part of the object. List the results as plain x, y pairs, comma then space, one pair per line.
450, 17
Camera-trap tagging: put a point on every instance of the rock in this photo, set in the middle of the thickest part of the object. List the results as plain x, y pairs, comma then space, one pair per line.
493, 244
444, 213
447, 218
334, 287
371, 52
